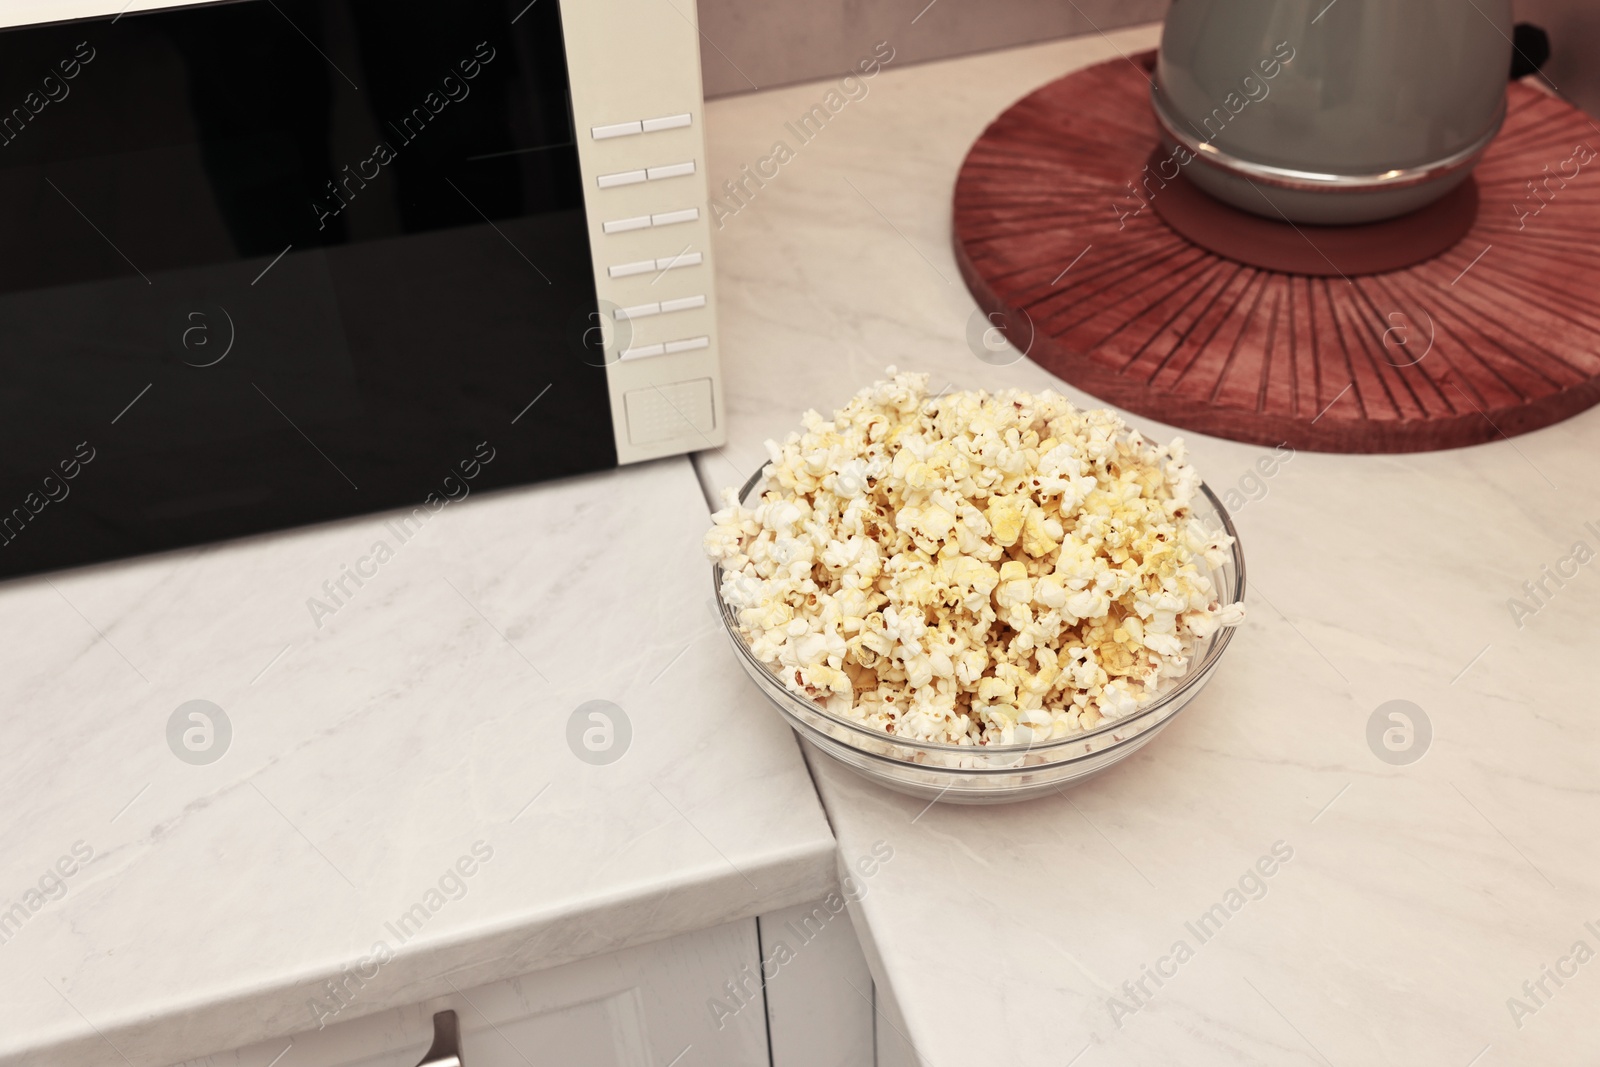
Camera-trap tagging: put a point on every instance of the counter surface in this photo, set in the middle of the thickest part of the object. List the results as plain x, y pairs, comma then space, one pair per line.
421, 725
1417, 898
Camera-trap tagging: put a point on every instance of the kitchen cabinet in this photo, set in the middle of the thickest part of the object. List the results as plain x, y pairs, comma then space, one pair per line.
697, 1000
818, 989
894, 1048
641, 1007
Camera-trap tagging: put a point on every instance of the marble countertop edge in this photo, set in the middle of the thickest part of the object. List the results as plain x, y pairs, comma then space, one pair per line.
696, 898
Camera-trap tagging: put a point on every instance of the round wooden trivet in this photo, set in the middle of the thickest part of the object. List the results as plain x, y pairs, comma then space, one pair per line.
1497, 336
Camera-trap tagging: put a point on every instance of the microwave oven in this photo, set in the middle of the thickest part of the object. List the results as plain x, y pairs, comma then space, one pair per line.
274, 262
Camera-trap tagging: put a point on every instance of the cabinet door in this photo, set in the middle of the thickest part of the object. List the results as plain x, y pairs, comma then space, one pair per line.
819, 991
643, 1007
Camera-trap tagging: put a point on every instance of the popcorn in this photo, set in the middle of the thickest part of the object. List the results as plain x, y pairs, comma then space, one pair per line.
973, 568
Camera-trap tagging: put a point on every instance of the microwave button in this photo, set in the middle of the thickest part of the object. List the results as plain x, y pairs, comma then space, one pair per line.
639, 311
682, 303
682, 259
666, 122
623, 270
670, 170
622, 177
642, 352
667, 218
637, 222
616, 129
688, 344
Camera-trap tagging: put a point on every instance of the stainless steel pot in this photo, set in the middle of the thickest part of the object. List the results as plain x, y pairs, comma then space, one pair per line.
1343, 112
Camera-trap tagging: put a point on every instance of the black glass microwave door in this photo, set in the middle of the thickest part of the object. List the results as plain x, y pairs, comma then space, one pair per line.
264, 264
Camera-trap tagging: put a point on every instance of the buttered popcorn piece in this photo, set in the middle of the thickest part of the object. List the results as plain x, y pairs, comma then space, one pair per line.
972, 568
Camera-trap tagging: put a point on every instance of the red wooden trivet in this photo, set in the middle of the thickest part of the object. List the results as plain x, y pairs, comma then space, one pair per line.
1497, 336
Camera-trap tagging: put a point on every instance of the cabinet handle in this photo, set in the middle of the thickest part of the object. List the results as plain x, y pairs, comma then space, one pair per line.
446, 1048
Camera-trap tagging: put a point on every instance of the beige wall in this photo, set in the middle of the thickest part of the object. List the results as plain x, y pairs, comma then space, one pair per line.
749, 44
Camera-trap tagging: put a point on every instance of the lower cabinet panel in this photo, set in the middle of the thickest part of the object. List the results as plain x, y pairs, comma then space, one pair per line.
818, 988
642, 1007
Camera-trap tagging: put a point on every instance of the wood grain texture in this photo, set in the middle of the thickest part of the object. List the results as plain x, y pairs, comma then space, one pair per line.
1495, 337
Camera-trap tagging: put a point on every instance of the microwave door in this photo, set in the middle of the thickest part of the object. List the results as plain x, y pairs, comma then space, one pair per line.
271, 263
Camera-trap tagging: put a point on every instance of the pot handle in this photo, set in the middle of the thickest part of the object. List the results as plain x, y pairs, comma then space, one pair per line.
1530, 49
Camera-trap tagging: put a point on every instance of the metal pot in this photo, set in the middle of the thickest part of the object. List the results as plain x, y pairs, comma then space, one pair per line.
1343, 112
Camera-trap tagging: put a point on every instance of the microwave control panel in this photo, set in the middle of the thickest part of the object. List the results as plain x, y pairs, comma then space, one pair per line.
637, 102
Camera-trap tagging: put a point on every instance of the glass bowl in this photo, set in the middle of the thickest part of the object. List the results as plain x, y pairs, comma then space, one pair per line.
995, 774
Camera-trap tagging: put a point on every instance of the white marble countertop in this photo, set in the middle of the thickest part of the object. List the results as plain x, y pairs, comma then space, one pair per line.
1418, 898
425, 721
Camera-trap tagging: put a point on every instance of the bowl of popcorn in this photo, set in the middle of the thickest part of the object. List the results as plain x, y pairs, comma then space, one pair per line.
976, 596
